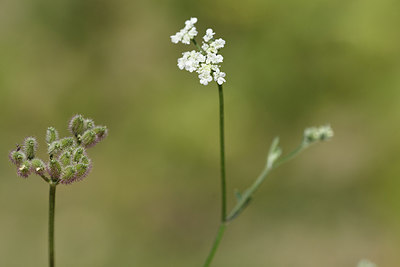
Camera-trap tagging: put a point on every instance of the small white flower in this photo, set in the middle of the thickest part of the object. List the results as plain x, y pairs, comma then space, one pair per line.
177, 37
218, 44
205, 79
219, 77
190, 23
209, 35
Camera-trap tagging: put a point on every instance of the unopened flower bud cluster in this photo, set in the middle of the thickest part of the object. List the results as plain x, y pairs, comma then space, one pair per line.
314, 134
68, 160
205, 61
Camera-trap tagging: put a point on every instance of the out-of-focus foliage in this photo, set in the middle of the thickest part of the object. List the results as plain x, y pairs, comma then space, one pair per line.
154, 189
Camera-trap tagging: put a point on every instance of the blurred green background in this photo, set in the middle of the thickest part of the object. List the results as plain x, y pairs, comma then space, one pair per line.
152, 198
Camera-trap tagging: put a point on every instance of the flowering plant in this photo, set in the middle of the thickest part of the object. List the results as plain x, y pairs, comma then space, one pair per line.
205, 61
68, 161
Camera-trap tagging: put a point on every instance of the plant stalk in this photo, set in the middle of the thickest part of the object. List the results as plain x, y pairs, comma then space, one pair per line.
223, 179
52, 202
222, 152
215, 245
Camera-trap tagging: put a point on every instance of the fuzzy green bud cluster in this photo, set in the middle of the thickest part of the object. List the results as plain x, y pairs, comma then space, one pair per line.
68, 159
86, 133
315, 134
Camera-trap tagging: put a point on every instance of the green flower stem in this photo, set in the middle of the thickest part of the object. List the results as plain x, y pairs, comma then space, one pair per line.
214, 248
197, 45
222, 152
291, 155
223, 180
248, 193
52, 202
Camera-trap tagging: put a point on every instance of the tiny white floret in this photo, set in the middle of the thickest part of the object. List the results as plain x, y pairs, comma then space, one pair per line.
209, 35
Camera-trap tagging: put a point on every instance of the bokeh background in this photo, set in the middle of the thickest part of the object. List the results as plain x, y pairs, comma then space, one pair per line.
152, 198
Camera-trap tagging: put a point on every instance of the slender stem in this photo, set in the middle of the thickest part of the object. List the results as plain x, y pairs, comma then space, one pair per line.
214, 248
249, 192
222, 152
291, 155
52, 200
197, 45
223, 180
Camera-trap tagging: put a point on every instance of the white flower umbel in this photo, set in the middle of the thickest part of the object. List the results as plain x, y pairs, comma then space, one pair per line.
206, 60
187, 33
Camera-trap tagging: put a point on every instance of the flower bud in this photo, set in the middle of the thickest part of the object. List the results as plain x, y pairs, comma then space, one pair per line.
30, 145
24, 170
51, 135
311, 134
38, 166
68, 175
89, 138
65, 158
17, 157
314, 134
77, 125
325, 132
101, 132
54, 169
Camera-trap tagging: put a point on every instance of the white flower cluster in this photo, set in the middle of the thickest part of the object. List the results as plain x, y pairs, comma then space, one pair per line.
314, 134
187, 33
204, 62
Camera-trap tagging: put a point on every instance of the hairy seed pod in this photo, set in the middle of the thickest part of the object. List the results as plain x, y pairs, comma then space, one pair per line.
89, 124
68, 174
78, 153
17, 157
54, 148
54, 169
89, 138
51, 135
24, 170
85, 160
30, 145
82, 170
67, 142
77, 125
101, 132
38, 166
65, 158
